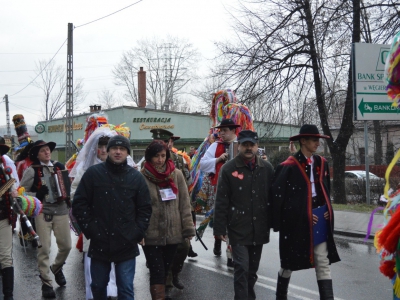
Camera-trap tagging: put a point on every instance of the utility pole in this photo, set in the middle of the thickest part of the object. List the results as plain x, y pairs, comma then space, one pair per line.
69, 135
8, 116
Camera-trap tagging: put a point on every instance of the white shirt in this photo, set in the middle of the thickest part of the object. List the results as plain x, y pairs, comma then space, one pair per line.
10, 163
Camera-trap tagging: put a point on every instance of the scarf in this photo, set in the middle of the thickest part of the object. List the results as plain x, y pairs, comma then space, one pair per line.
162, 179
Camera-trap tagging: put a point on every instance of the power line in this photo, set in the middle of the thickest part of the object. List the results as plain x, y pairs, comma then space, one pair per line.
79, 52
67, 39
108, 15
83, 67
41, 71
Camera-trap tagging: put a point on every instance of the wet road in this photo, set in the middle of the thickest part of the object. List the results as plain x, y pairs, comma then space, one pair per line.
207, 277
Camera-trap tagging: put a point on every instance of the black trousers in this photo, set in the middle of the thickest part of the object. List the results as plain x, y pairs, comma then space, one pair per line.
159, 259
247, 259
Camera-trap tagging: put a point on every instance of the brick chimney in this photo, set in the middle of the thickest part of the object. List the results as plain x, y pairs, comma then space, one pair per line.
94, 108
142, 87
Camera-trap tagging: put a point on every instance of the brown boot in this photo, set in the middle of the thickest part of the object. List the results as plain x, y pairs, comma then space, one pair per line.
157, 291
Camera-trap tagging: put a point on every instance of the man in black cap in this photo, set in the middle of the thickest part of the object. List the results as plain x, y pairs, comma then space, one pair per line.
113, 208
54, 217
7, 191
242, 211
303, 214
211, 163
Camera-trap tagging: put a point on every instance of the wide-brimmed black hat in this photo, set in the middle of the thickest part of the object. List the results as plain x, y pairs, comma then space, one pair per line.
308, 131
4, 149
227, 123
248, 136
33, 153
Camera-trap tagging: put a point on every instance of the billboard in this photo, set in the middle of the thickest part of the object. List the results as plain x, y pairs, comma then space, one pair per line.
369, 86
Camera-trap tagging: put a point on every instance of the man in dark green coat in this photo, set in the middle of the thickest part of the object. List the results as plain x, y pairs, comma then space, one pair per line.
242, 211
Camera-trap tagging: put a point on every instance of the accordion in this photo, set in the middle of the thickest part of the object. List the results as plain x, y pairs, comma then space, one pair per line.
59, 185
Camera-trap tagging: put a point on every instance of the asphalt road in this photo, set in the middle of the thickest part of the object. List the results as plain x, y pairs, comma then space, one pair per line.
207, 277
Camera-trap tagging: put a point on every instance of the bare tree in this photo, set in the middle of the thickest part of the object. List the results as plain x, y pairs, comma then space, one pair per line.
52, 82
107, 99
170, 64
298, 51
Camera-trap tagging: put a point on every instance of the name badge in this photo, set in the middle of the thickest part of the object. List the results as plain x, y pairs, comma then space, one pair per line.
167, 194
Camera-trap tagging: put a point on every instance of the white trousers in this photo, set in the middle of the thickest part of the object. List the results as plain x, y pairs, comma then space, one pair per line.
112, 284
322, 269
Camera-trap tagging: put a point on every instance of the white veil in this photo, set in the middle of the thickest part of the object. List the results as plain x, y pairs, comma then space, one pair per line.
87, 157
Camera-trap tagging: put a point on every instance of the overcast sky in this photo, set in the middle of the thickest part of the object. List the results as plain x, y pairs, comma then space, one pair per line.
35, 30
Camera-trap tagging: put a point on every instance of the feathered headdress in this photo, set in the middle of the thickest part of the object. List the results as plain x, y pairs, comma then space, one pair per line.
392, 71
93, 122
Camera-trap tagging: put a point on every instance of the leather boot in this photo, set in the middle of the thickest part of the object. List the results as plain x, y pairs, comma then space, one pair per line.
8, 282
282, 288
217, 247
176, 282
191, 252
157, 291
325, 289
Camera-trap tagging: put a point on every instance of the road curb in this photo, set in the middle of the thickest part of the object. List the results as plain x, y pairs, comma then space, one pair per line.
353, 234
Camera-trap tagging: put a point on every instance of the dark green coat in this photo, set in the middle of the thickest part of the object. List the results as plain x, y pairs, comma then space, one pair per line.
242, 202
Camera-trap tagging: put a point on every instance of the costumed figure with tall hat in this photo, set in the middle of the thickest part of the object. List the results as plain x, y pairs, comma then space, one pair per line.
387, 240
94, 152
23, 162
228, 119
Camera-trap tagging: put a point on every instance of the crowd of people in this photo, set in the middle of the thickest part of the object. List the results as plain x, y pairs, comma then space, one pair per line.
119, 206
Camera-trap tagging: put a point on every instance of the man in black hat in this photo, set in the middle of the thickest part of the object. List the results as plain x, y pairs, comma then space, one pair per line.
53, 218
303, 214
242, 211
211, 163
113, 208
6, 220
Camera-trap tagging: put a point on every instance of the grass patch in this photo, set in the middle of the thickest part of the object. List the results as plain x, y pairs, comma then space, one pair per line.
357, 207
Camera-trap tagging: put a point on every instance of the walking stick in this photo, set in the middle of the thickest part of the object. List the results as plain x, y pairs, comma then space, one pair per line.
199, 238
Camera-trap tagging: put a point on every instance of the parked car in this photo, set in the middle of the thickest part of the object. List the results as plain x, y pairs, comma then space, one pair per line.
356, 182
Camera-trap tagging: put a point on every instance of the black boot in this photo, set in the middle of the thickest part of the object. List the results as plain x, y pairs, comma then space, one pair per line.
325, 289
282, 288
59, 276
8, 282
191, 253
217, 247
176, 282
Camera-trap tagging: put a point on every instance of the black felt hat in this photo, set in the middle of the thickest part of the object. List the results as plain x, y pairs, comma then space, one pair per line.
227, 123
308, 131
33, 153
248, 136
4, 149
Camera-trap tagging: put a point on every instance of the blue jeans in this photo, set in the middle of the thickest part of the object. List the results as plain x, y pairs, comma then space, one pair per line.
124, 273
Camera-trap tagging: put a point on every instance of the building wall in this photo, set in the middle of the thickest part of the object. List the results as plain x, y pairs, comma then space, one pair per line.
192, 128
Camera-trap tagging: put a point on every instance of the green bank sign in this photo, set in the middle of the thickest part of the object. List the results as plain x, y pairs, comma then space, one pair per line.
370, 100
377, 107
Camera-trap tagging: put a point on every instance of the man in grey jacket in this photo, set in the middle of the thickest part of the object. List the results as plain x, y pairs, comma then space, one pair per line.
54, 217
242, 210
